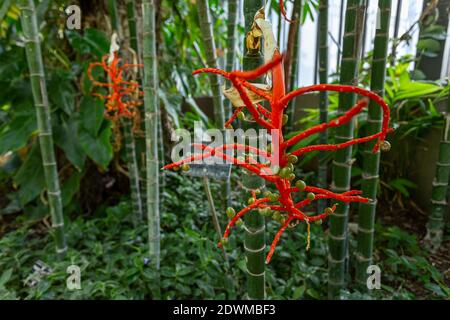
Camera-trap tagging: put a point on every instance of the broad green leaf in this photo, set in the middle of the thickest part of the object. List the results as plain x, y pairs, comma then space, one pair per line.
17, 133
99, 149
298, 292
30, 176
428, 45
70, 187
91, 114
416, 89
93, 41
61, 91
6, 275
65, 136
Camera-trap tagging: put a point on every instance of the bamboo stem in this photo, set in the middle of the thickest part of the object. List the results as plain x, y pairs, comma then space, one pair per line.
38, 86
133, 170
323, 106
436, 220
371, 161
114, 16
204, 17
151, 129
231, 42
292, 72
130, 146
214, 217
338, 237
254, 242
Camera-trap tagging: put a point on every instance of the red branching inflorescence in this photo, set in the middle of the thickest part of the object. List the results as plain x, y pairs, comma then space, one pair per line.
283, 204
120, 101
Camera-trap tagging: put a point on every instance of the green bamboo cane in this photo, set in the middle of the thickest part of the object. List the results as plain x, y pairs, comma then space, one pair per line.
136, 46
371, 161
151, 129
231, 41
133, 170
436, 220
338, 236
37, 79
132, 26
341, 19
292, 83
230, 64
254, 242
204, 17
127, 126
280, 25
114, 16
323, 106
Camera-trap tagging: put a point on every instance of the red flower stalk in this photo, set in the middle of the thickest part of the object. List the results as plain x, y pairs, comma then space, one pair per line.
119, 101
286, 209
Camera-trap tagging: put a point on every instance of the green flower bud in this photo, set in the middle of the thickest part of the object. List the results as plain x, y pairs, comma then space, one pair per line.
284, 173
385, 146
230, 212
301, 185
276, 215
185, 167
292, 158
224, 241
328, 210
239, 223
274, 197
285, 119
291, 176
290, 167
251, 201
241, 115
311, 196
318, 222
176, 168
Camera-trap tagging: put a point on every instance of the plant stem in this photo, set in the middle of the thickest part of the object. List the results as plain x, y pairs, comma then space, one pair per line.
371, 161
204, 17
436, 220
214, 217
396, 31
323, 106
130, 144
133, 169
38, 86
151, 129
338, 240
231, 42
341, 18
254, 242
292, 69
132, 26
114, 16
